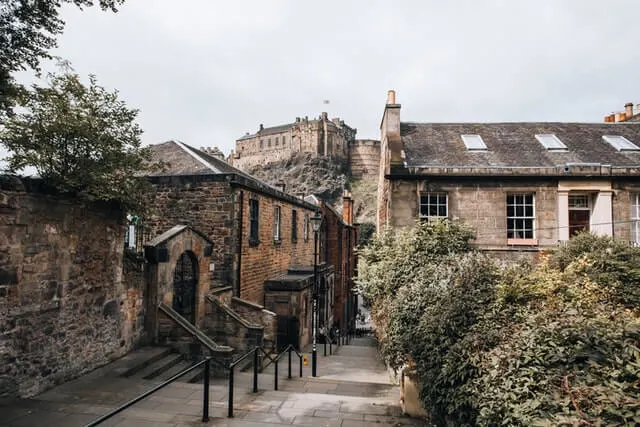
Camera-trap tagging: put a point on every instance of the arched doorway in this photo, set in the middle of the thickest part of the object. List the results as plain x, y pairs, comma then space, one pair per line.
185, 280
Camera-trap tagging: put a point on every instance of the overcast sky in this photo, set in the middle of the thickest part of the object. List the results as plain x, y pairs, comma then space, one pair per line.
205, 72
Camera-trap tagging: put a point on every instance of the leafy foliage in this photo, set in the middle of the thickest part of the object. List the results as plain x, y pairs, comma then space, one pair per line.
551, 344
366, 232
80, 139
28, 30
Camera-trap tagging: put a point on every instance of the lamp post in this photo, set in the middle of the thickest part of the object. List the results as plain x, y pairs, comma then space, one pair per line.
316, 221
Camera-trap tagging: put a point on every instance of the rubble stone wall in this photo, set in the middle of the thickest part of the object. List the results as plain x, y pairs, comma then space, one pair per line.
64, 307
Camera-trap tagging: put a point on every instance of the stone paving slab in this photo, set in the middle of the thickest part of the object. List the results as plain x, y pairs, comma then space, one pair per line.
360, 396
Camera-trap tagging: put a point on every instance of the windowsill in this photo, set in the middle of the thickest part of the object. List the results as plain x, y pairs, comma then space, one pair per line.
294, 241
277, 242
522, 242
253, 242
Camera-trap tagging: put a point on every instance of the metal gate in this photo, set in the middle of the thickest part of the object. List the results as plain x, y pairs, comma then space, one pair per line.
185, 280
288, 332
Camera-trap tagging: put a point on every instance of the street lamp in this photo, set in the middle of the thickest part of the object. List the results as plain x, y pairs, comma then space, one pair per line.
316, 221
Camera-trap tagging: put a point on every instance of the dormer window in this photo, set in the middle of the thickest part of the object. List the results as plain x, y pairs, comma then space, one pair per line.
474, 142
620, 143
551, 142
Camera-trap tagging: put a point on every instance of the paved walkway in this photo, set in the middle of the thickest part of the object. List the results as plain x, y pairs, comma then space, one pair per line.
352, 390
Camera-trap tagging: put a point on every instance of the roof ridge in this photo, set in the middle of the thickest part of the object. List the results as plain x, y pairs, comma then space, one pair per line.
197, 157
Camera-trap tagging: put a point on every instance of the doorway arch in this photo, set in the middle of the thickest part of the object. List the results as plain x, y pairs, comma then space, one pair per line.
185, 281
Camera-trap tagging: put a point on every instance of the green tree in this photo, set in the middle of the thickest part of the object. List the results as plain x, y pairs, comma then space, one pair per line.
28, 30
80, 139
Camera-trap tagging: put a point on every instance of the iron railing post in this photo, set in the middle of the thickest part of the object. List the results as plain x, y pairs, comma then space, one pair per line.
289, 362
255, 370
325, 345
330, 346
300, 358
275, 378
230, 393
205, 403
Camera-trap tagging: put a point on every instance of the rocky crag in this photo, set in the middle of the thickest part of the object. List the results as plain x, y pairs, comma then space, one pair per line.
326, 177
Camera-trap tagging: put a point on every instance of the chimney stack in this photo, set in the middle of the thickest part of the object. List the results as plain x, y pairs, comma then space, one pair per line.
391, 97
261, 127
628, 109
347, 208
621, 117
280, 185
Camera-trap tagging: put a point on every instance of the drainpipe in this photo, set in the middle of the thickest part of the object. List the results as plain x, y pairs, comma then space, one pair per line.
240, 237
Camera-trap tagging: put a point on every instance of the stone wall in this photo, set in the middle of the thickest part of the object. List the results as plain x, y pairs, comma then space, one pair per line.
257, 314
482, 205
64, 309
268, 258
364, 159
207, 206
226, 327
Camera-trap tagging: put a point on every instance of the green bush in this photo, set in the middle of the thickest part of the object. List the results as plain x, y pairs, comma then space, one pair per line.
551, 344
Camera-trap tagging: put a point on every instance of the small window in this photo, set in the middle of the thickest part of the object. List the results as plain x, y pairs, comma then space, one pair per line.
620, 143
474, 142
276, 223
294, 225
254, 215
578, 201
520, 216
635, 219
305, 228
551, 142
433, 206
261, 143
284, 140
277, 140
269, 142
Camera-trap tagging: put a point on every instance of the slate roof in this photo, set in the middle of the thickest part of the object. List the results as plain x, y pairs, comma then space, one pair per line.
183, 160
269, 131
513, 145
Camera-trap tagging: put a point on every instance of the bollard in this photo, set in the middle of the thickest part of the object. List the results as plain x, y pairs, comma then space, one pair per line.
230, 393
205, 403
255, 370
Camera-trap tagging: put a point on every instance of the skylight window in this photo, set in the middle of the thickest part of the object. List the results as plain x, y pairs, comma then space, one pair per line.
551, 142
474, 142
620, 143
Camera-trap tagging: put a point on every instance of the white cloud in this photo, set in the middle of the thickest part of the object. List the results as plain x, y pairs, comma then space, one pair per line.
206, 72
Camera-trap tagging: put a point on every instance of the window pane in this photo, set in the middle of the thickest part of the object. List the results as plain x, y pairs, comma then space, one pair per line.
433, 210
442, 210
528, 211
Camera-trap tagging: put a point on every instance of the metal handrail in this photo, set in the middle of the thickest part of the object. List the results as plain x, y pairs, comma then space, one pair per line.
254, 351
205, 409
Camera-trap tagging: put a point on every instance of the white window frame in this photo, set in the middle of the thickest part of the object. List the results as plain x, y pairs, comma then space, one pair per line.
428, 205
620, 143
523, 217
557, 145
474, 142
276, 222
305, 232
635, 219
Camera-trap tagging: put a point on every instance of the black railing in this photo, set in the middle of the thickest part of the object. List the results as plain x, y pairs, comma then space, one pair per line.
205, 395
254, 352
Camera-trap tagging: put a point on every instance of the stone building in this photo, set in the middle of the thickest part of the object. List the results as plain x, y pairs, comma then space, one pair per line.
522, 186
262, 244
341, 236
321, 136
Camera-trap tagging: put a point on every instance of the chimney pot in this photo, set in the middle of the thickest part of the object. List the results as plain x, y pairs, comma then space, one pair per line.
280, 185
261, 126
391, 97
620, 117
628, 109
